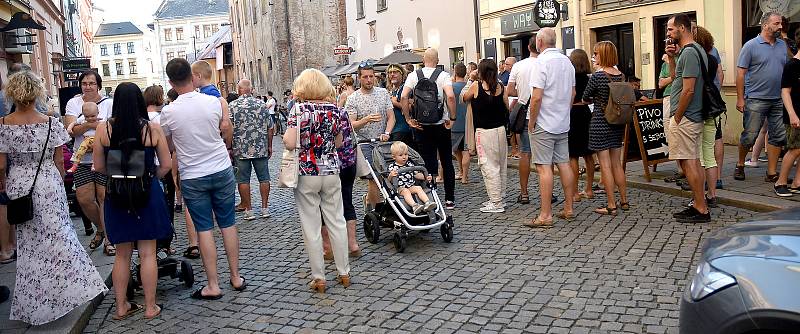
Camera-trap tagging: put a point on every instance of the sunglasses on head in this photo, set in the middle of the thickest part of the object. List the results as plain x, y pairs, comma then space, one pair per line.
366, 64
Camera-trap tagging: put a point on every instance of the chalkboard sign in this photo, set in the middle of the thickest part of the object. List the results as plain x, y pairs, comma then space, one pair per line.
648, 136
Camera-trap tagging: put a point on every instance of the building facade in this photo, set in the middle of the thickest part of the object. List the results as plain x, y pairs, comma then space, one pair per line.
377, 28
181, 28
508, 26
48, 53
78, 30
123, 53
274, 40
10, 52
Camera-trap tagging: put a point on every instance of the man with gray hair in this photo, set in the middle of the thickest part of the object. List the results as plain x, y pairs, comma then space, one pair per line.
252, 146
758, 93
552, 87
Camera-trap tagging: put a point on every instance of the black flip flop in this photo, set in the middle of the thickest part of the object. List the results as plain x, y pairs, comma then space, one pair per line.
198, 294
135, 308
241, 287
190, 254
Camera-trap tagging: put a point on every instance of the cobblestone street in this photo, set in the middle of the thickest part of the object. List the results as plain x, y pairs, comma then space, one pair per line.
594, 274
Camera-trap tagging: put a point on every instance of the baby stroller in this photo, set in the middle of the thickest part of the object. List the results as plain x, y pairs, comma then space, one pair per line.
394, 212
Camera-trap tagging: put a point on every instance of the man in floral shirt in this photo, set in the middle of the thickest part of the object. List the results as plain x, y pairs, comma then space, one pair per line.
252, 146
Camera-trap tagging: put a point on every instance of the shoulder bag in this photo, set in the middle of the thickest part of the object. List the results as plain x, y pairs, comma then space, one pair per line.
621, 100
20, 210
713, 104
290, 161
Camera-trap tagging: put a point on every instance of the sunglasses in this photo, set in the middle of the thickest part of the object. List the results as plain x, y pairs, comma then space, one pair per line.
366, 64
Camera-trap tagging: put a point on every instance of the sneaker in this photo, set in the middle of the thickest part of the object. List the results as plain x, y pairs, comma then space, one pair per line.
417, 208
771, 178
719, 184
248, 215
738, 174
751, 164
685, 212
782, 191
492, 208
712, 202
264, 212
431, 205
691, 215
763, 159
449, 205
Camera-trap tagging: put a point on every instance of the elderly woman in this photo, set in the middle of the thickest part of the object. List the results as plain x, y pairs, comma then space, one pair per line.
319, 190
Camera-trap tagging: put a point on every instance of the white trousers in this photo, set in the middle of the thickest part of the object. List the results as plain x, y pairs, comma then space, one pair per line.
318, 197
493, 160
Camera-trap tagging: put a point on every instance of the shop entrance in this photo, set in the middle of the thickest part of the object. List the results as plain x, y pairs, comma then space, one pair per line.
659, 41
622, 37
518, 48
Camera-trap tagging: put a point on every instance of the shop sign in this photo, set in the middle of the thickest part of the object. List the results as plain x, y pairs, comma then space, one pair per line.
545, 13
79, 64
568, 38
490, 48
518, 22
342, 50
400, 45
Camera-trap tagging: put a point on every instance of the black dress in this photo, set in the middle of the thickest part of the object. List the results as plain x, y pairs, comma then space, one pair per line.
579, 118
602, 136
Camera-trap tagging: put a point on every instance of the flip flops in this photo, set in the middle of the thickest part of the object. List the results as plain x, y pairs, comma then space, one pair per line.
241, 287
133, 309
198, 294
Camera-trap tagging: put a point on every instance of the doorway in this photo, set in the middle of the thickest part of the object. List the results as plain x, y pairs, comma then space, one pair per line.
518, 47
659, 37
622, 37
456, 56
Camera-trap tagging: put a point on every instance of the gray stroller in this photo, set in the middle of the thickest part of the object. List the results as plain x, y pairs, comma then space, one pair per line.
394, 212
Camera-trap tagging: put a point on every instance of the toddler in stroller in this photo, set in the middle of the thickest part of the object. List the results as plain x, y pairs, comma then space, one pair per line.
406, 181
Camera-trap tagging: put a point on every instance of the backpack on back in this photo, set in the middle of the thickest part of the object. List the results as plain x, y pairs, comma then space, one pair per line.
129, 179
621, 100
427, 107
713, 104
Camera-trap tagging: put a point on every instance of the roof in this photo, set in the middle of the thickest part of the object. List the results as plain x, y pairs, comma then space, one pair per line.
188, 8
209, 49
116, 29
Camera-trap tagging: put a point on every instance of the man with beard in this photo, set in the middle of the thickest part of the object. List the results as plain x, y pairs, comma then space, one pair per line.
758, 93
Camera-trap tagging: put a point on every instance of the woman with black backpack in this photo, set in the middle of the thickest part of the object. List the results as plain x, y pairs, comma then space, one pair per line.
135, 210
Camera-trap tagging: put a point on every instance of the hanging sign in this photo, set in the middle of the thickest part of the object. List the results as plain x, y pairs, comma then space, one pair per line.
342, 50
545, 13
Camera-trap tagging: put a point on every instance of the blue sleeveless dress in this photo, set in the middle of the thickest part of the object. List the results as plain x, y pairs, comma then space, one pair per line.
151, 222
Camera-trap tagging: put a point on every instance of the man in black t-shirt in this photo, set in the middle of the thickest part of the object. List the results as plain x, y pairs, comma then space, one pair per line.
790, 92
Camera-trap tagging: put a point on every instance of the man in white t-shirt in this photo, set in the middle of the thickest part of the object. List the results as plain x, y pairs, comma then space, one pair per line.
271, 103
552, 84
90, 186
519, 86
192, 124
434, 139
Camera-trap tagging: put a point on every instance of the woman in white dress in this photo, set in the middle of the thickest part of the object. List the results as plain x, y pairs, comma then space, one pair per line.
54, 273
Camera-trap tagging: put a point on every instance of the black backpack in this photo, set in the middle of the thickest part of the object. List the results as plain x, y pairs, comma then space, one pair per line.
713, 104
129, 179
427, 107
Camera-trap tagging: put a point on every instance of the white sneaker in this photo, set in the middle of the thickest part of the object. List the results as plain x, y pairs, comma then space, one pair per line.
492, 208
248, 215
430, 206
750, 163
264, 212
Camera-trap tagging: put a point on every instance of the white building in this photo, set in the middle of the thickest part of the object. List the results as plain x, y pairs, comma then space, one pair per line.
182, 27
123, 53
377, 28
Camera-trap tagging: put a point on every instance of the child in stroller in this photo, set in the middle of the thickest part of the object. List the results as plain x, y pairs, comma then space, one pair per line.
406, 181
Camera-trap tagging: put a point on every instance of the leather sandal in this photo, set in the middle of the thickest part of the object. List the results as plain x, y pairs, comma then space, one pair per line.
606, 211
109, 249
624, 206
97, 241
344, 280
318, 285
132, 309
523, 199
566, 215
539, 223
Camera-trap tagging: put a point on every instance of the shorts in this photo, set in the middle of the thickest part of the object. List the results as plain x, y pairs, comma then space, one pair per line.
549, 148
208, 197
244, 169
85, 175
792, 137
756, 112
685, 139
707, 159
457, 140
525, 141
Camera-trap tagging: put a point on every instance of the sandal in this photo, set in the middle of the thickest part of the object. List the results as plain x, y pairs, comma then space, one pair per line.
625, 206
584, 195
97, 241
10, 258
240, 287
523, 199
606, 211
109, 249
198, 294
318, 285
566, 215
674, 178
192, 252
160, 307
538, 223
355, 253
133, 309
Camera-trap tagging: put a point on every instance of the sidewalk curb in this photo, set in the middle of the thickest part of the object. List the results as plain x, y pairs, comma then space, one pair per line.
89, 309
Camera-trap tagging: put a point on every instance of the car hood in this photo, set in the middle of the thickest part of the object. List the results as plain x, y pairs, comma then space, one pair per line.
774, 235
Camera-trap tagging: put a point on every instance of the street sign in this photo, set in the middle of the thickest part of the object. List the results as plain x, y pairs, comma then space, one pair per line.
545, 13
342, 50
77, 64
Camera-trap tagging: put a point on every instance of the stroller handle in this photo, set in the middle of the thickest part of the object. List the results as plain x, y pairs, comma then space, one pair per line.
371, 140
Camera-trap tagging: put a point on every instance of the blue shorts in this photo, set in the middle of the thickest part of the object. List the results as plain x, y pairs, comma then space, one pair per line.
208, 197
756, 112
244, 169
525, 141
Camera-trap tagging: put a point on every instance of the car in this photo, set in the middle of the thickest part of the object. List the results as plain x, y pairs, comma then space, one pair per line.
747, 279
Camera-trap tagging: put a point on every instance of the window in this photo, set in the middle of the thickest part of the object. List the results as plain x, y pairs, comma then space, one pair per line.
214, 29
359, 9
178, 34
103, 50
260, 73
381, 5
197, 31
119, 68
608, 4
132, 66
108, 91
255, 12
168, 34
182, 54
130, 47
106, 70
207, 31
170, 56
269, 63
373, 34
117, 49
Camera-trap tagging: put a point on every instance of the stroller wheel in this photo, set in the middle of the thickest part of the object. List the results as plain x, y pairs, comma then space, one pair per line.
372, 227
187, 274
447, 232
399, 243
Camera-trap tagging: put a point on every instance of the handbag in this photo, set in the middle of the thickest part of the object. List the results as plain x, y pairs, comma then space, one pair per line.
290, 161
621, 100
518, 118
20, 210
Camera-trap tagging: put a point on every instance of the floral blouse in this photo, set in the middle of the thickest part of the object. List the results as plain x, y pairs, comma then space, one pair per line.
347, 153
319, 124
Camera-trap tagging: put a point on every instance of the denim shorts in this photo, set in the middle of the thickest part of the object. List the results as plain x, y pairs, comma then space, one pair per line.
244, 169
756, 112
208, 197
525, 141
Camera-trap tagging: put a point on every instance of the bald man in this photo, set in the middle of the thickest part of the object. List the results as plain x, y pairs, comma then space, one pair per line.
506, 65
252, 146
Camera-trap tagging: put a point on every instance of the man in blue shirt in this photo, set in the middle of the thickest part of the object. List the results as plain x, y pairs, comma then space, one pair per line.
758, 93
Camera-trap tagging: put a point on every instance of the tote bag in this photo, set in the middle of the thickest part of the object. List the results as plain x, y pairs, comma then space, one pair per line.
290, 161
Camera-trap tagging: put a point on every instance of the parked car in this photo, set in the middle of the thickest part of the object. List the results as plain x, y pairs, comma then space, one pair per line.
748, 279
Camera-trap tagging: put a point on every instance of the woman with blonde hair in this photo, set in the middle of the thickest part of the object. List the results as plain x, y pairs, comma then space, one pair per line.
318, 193
54, 273
604, 138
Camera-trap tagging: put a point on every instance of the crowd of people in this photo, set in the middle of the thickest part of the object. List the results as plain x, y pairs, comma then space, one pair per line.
140, 158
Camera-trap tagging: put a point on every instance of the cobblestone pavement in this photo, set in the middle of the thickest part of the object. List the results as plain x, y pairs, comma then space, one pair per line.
596, 274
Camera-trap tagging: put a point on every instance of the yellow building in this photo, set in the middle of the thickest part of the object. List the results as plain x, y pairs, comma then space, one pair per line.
13, 55
506, 27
